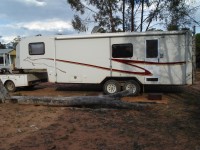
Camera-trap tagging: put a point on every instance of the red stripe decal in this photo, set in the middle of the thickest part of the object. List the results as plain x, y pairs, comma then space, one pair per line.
147, 62
146, 72
116, 70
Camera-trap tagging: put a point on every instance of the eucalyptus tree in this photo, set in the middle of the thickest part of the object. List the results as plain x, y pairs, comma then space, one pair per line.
129, 12
104, 13
136, 14
143, 2
177, 14
154, 14
133, 8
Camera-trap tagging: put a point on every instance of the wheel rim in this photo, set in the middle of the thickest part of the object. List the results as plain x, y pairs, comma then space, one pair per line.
131, 87
10, 86
111, 88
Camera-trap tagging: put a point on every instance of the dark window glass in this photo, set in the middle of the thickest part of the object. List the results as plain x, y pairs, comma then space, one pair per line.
152, 79
152, 48
1, 60
122, 50
36, 48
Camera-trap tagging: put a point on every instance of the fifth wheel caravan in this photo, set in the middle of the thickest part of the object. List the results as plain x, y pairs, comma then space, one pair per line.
115, 60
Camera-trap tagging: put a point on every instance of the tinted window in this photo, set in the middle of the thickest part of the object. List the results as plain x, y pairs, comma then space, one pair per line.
36, 48
151, 48
1, 60
122, 50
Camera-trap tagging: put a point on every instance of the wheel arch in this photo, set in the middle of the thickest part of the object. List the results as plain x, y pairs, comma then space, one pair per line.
8, 80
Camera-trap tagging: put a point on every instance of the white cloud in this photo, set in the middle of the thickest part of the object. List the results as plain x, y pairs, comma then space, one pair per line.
48, 25
7, 39
45, 25
24, 29
32, 17
33, 2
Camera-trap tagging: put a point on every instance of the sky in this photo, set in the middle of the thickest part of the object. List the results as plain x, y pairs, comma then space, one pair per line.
47, 17
32, 17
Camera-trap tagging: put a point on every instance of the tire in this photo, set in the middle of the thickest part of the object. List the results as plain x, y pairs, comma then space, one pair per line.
111, 87
134, 86
10, 86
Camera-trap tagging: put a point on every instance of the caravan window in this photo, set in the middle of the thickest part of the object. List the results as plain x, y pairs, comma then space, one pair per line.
1, 60
122, 50
36, 48
151, 48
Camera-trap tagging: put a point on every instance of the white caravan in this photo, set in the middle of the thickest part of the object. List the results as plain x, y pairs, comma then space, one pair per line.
115, 60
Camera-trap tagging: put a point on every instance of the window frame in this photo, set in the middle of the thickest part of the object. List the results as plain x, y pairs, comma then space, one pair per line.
122, 44
30, 48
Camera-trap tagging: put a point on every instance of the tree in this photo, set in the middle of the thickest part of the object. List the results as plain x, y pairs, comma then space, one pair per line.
2, 46
154, 13
13, 43
105, 14
142, 12
123, 14
78, 24
178, 14
130, 12
171, 14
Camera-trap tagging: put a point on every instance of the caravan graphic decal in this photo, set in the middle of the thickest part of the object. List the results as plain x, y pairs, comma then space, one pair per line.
132, 63
145, 72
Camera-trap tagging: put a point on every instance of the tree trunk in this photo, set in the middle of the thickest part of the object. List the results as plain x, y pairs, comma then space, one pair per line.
112, 23
155, 13
82, 101
109, 101
123, 14
4, 95
132, 15
142, 13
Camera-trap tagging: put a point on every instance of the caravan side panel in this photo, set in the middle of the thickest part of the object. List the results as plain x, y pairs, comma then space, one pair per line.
82, 60
42, 58
172, 64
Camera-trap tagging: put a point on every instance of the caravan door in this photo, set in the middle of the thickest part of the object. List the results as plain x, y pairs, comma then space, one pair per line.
152, 60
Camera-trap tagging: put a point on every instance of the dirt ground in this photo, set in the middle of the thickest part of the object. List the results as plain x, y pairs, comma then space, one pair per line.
171, 123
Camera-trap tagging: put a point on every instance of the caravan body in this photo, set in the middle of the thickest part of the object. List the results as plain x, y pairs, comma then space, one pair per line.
163, 58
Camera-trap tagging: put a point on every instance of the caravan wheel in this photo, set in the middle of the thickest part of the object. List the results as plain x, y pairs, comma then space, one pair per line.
133, 86
111, 87
10, 86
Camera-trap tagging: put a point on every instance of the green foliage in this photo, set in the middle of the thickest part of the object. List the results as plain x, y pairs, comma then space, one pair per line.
178, 15
77, 5
2, 46
171, 27
112, 15
78, 24
105, 14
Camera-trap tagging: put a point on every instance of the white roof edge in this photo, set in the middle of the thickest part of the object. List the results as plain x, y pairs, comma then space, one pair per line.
119, 34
